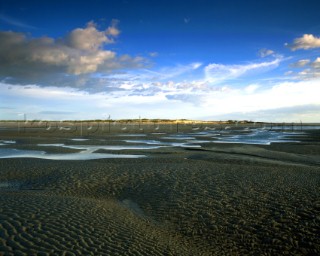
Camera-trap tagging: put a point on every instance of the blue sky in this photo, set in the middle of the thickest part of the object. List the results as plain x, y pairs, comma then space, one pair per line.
216, 60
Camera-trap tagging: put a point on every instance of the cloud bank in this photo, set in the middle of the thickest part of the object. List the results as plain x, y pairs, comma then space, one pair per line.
80, 52
176, 102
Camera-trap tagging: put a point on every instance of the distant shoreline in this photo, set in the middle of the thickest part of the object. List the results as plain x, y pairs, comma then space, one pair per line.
161, 121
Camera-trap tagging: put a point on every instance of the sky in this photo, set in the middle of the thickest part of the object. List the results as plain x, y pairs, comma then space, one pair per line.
204, 60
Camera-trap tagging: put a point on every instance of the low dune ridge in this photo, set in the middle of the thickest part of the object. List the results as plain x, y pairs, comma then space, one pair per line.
219, 199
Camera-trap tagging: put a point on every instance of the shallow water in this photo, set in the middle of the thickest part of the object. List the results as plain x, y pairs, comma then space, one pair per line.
259, 136
295, 128
79, 139
4, 142
130, 135
92, 148
179, 137
246, 136
148, 142
84, 155
165, 143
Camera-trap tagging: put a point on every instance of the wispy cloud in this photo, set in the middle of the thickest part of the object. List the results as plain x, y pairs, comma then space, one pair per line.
156, 75
17, 23
307, 41
171, 72
219, 72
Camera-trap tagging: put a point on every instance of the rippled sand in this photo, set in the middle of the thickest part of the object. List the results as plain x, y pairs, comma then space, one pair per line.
225, 199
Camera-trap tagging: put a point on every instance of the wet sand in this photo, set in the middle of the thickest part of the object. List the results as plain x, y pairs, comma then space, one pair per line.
220, 199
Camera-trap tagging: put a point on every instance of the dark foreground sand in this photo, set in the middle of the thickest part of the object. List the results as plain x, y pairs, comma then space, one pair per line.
222, 199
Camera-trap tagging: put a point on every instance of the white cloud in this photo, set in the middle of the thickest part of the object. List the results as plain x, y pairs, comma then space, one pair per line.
89, 63
300, 63
179, 101
251, 88
113, 29
309, 74
89, 38
311, 70
265, 52
290, 72
316, 63
280, 95
40, 102
307, 41
47, 60
218, 72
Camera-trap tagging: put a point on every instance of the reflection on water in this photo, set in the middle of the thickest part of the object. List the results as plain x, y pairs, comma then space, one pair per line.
92, 148
79, 139
4, 142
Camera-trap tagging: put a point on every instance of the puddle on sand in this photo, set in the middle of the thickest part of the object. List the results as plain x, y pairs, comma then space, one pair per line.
178, 137
5, 142
92, 148
84, 155
87, 152
164, 143
260, 137
131, 135
79, 139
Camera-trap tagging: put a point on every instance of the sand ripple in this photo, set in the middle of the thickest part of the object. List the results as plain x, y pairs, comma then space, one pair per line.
218, 200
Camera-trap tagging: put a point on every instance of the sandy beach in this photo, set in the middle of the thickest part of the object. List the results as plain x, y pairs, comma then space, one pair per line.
159, 128
215, 199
